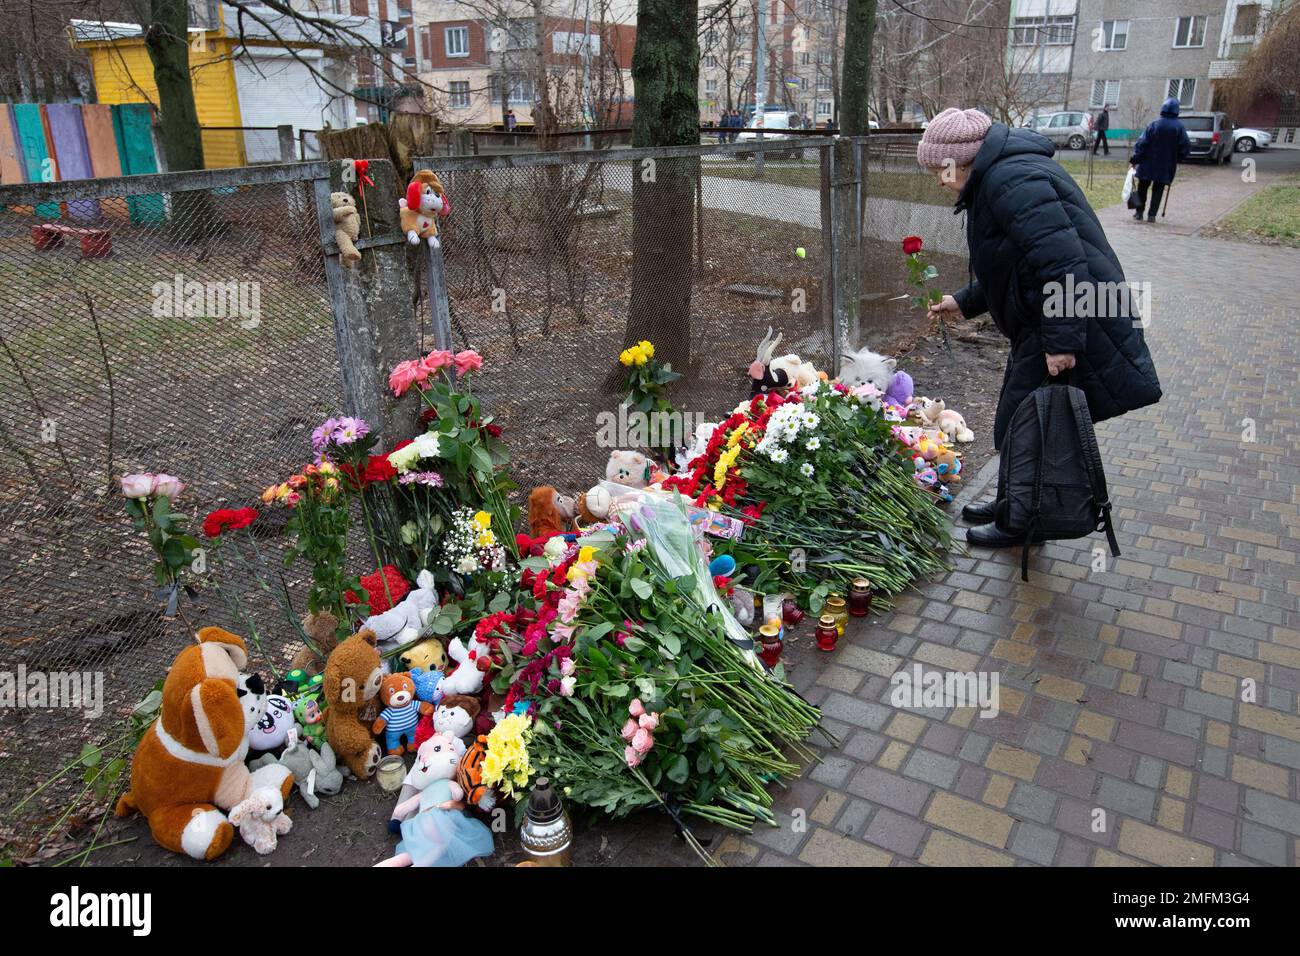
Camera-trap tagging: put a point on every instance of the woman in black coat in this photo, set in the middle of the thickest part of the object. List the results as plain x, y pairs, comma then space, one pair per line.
1041, 265
1156, 155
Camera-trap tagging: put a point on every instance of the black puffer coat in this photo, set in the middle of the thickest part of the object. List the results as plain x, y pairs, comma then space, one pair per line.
1033, 240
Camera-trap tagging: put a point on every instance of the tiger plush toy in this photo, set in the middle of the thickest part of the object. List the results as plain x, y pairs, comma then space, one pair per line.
469, 776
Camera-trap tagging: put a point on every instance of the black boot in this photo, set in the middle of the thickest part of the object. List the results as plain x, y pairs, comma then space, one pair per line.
991, 536
980, 513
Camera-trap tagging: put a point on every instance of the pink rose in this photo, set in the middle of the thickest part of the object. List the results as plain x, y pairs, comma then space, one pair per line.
629, 729
404, 376
468, 361
648, 721
567, 667
437, 360
168, 486
138, 485
631, 756
642, 741
636, 708
566, 686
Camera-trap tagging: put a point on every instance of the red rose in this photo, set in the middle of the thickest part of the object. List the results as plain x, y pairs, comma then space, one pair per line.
912, 245
227, 519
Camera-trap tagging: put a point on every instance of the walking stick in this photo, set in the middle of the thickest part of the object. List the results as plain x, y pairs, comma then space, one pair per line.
1168, 190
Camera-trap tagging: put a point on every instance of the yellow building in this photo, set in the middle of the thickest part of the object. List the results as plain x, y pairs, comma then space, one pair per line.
245, 86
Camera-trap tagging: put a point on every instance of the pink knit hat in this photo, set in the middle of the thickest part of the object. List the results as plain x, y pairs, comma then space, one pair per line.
953, 134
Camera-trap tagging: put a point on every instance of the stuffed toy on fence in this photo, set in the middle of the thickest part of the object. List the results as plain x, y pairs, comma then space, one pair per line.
189, 765
424, 202
347, 227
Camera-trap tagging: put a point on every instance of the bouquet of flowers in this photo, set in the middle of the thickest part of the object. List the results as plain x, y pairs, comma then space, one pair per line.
149, 499
646, 384
470, 545
506, 766
820, 479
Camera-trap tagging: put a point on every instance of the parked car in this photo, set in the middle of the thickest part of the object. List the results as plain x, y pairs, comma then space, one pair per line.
1210, 135
777, 124
1069, 128
1247, 139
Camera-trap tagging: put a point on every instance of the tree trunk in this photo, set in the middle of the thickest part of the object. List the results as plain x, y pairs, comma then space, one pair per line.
169, 50
855, 82
665, 74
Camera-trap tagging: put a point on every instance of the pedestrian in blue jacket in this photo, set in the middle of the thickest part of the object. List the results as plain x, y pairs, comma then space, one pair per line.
1156, 155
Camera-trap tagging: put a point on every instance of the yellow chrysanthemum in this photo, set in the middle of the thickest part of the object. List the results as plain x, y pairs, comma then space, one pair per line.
483, 520
647, 348
739, 433
586, 553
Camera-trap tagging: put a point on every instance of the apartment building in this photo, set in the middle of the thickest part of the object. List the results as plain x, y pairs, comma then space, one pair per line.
1131, 57
478, 60
803, 42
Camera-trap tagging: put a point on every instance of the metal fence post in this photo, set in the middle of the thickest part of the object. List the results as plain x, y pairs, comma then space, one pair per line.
374, 320
288, 144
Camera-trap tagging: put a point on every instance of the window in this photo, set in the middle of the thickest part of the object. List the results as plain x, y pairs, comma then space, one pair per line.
1190, 32
456, 41
1114, 34
1053, 31
740, 62
521, 92
710, 87
1183, 90
1104, 93
805, 59
1246, 23
710, 61
825, 107
458, 95
571, 44
823, 83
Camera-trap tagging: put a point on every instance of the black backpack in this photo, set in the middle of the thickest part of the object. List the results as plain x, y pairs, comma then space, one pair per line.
1051, 485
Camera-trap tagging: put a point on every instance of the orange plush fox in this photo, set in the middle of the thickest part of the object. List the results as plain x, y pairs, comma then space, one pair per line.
189, 765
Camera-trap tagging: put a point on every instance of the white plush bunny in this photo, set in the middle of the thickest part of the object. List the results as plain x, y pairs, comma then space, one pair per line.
403, 623
466, 678
260, 818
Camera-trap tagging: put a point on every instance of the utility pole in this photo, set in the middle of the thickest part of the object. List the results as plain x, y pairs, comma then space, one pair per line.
586, 75
1042, 56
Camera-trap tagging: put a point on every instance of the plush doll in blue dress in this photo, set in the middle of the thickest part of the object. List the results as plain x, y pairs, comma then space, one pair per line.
435, 830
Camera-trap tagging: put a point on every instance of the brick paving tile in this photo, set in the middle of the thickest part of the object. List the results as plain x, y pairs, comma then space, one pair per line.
1148, 713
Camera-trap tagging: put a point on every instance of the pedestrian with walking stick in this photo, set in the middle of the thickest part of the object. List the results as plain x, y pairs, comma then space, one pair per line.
1156, 155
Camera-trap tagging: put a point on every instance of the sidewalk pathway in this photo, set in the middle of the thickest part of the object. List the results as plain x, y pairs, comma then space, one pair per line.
1148, 711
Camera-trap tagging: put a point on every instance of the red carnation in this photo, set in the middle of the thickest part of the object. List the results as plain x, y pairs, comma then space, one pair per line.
379, 469
228, 519
912, 245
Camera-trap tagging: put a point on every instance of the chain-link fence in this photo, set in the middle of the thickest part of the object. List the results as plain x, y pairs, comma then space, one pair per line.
176, 323
545, 264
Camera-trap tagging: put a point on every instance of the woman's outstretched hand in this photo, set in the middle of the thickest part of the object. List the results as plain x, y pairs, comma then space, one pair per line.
945, 308
1056, 364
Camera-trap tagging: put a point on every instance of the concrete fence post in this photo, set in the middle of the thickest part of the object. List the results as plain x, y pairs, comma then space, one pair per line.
288, 144
375, 325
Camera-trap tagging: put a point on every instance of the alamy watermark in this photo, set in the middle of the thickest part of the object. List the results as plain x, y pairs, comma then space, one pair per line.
1092, 300
191, 299
629, 428
42, 690
915, 688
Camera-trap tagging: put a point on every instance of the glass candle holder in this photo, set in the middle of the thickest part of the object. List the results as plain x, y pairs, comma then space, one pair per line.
769, 639
838, 610
860, 598
827, 633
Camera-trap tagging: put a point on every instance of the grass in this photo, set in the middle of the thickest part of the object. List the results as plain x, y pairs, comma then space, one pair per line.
1272, 215
1107, 180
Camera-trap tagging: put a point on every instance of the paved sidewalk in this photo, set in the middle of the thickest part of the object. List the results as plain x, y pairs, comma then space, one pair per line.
1148, 711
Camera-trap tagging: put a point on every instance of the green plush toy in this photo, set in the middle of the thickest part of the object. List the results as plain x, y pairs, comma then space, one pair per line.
311, 721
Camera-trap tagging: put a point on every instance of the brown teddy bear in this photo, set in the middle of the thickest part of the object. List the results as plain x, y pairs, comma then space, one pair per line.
347, 227
400, 714
353, 675
321, 628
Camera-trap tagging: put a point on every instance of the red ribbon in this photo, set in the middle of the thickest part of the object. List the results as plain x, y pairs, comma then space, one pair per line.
362, 167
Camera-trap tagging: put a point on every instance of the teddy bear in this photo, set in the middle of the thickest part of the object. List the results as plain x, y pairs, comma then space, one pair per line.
429, 654
900, 390
952, 423
435, 830
472, 662
629, 468
321, 627
947, 465
403, 623
401, 712
424, 202
347, 227
272, 729
592, 506
353, 675
315, 773
261, 819
189, 764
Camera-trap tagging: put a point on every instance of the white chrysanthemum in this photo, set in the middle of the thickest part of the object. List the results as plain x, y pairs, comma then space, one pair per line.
779, 455
813, 443
807, 469
810, 420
